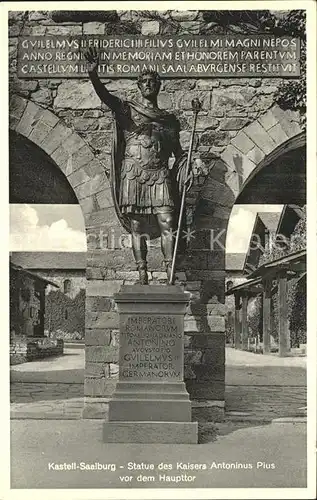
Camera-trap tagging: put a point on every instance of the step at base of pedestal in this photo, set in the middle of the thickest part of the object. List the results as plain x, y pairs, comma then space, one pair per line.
149, 410
151, 390
151, 432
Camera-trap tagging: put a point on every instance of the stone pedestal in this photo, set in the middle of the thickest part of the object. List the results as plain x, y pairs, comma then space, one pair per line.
150, 403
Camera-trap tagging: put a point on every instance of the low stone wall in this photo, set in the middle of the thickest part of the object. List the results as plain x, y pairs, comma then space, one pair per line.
23, 349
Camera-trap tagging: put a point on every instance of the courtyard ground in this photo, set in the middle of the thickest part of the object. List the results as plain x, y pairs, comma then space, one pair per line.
258, 387
264, 429
272, 456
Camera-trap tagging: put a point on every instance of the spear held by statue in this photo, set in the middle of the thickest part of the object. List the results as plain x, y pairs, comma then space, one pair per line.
196, 106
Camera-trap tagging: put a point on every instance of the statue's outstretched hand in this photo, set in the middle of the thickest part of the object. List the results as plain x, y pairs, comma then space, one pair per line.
92, 59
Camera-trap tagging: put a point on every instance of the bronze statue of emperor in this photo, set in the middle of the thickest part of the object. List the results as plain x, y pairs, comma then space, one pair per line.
143, 185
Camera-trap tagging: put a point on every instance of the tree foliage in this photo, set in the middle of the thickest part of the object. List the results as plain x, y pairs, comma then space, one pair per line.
298, 239
65, 316
292, 94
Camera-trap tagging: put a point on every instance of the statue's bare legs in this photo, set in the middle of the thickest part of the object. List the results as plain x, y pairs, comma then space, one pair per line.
139, 247
139, 243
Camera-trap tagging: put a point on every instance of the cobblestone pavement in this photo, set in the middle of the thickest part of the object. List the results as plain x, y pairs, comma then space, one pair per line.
257, 388
30, 392
242, 403
265, 402
66, 409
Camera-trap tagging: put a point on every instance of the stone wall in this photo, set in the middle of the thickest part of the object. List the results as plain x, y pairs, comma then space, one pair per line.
23, 349
238, 128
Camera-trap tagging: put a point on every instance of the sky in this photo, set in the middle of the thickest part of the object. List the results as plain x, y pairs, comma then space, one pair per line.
62, 228
47, 228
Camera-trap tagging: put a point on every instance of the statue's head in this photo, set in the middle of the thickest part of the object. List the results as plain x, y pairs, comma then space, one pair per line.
149, 83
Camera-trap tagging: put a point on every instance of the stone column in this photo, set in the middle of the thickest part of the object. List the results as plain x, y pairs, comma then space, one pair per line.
284, 334
267, 316
245, 300
203, 275
237, 329
150, 403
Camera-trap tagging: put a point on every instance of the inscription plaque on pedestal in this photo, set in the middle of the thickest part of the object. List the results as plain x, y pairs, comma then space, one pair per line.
151, 347
150, 403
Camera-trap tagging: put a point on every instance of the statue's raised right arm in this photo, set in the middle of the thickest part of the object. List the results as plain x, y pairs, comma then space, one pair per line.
106, 97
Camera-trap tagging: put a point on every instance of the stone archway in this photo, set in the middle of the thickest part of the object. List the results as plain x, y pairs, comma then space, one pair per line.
258, 144
254, 147
107, 271
72, 155
33, 176
87, 178
66, 148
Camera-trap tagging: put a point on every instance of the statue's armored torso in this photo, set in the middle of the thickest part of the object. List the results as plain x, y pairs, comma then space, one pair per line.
149, 137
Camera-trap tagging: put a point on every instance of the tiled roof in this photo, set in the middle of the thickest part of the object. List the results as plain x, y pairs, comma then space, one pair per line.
49, 260
77, 260
35, 276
